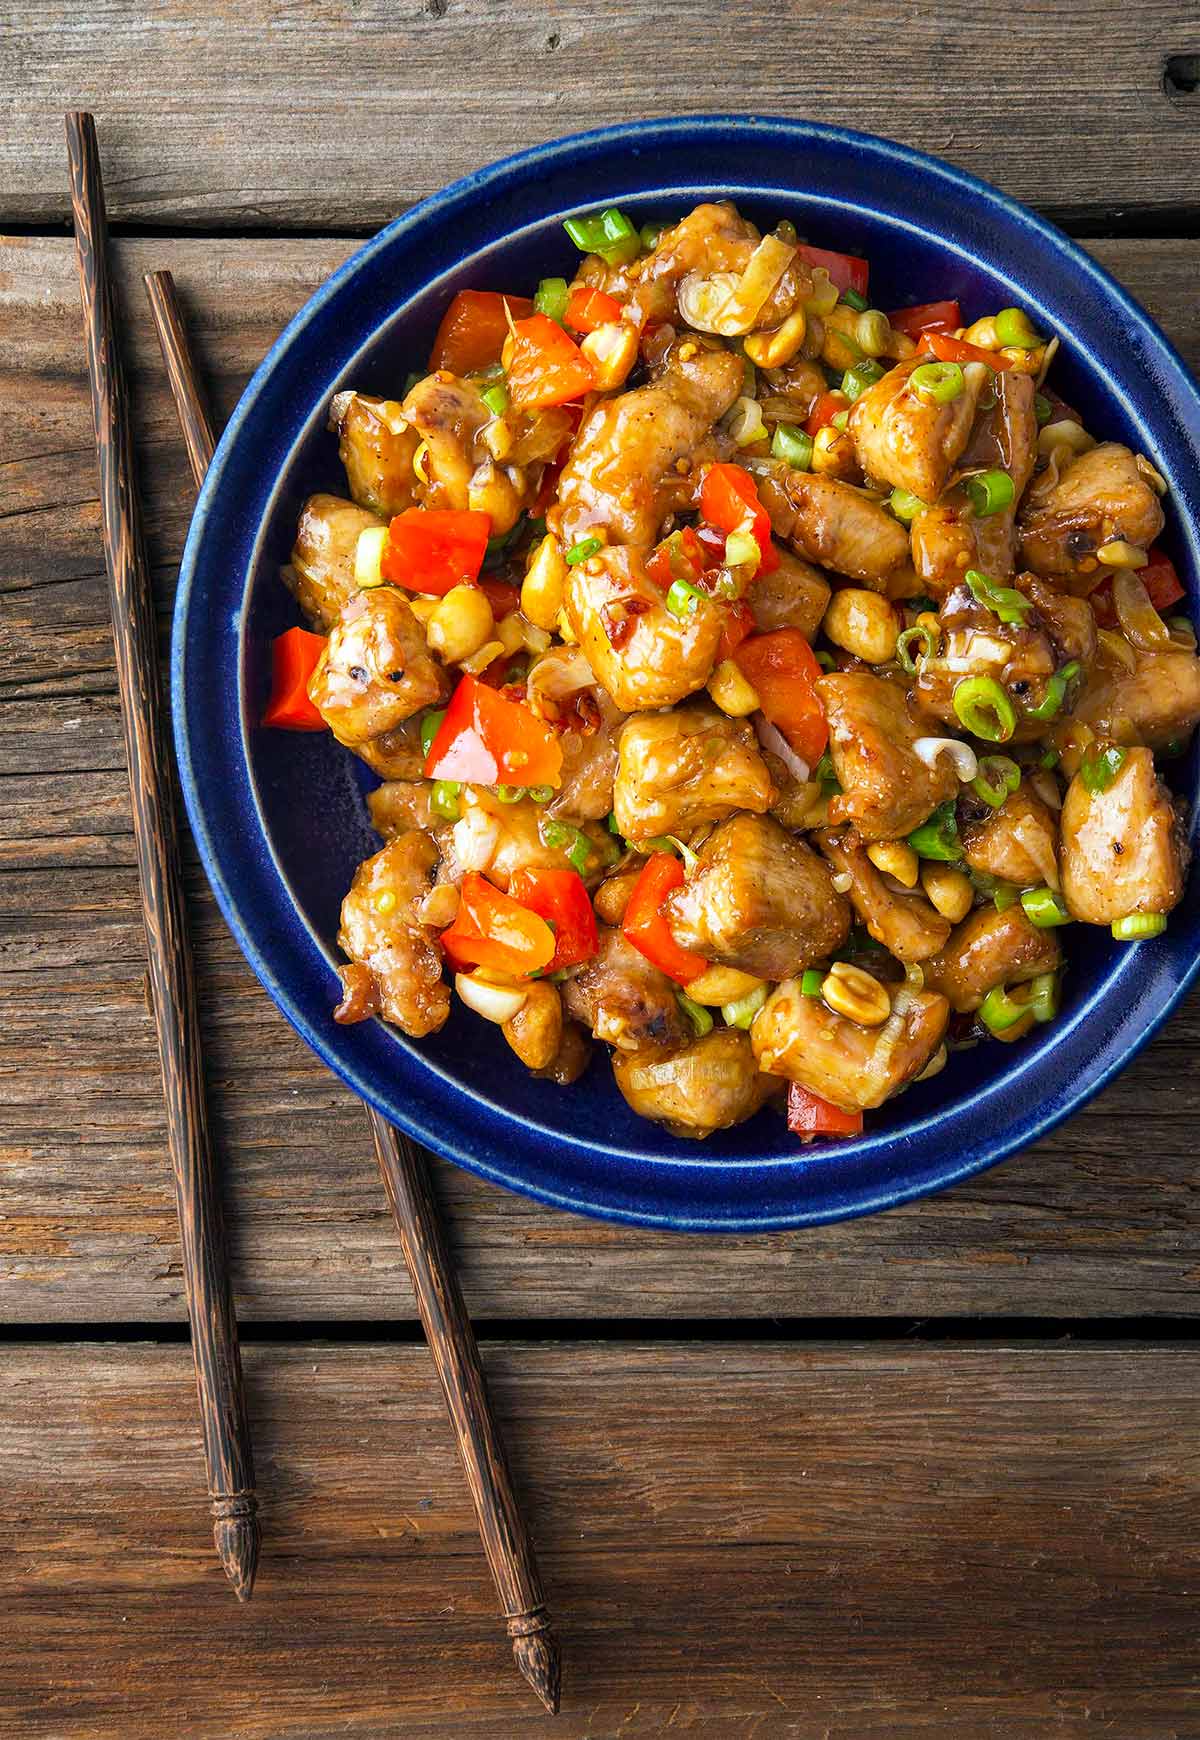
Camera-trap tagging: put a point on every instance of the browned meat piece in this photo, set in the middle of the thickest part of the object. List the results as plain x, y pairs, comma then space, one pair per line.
321, 573
713, 237
1069, 622
376, 669
907, 439
856, 1068
1017, 843
624, 1000
396, 754
459, 472
1100, 498
887, 790
709, 1085
376, 446
987, 949
943, 545
572, 1057
620, 474
788, 394
1123, 850
758, 900
949, 539
589, 750
680, 769
398, 951
834, 523
642, 654
401, 804
1021, 656
794, 595
498, 839
1156, 703
902, 920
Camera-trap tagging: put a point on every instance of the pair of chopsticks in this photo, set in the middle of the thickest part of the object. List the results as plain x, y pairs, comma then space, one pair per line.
228, 1456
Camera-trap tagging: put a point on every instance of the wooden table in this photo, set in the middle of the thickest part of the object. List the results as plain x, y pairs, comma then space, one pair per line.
932, 1473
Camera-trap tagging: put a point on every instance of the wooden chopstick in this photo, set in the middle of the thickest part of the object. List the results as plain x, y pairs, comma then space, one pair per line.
443, 1311
227, 1451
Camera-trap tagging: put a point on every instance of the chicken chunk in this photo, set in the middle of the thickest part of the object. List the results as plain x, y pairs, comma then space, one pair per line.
907, 925
642, 654
588, 742
1021, 656
1069, 622
835, 524
401, 804
987, 949
321, 574
1155, 703
1123, 850
856, 1068
709, 1085
620, 474
793, 595
760, 900
624, 1000
376, 669
713, 237
680, 769
395, 754
1100, 498
949, 537
381, 932
499, 839
1016, 843
459, 471
887, 790
376, 447
906, 438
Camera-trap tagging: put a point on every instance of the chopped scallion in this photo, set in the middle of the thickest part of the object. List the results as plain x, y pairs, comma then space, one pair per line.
997, 777
1043, 410
1014, 330
990, 491
919, 635
938, 837
700, 1018
608, 233
984, 709
443, 799
431, 724
794, 446
1005, 601
905, 505
682, 597
856, 300
1050, 705
741, 1012
858, 379
1098, 771
496, 399
509, 794
1138, 926
811, 982
583, 549
1044, 908
942, 382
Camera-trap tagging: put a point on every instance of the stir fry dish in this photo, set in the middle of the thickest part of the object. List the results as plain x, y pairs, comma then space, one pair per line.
759, 684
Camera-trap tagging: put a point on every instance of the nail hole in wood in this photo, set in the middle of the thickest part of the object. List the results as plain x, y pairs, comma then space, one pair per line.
1181, 79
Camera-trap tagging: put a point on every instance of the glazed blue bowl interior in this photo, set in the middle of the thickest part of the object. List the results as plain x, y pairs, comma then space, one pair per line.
280, 819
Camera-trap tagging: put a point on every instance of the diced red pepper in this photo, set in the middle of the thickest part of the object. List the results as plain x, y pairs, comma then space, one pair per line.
560, 897
680, 557
587, 309
737, 621
825, 410
809, 1115
294, 658
926, 317
494, 930
947, 349
647, 929
847, 271
1160, 579
433, 549
782, 669
502, 595
487, 739
474, 329
729, 501
546, 366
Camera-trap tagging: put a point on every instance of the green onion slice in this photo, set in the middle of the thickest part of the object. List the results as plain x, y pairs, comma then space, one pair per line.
681, 597
1099, 770
562, 837
539, 794
905, 505
1050, 705
997, 777
1043, 410
856, 300
984, 709
990, 491
509, 794
811, 982
940, 381
649, 236
794, 446
550, 298
583, 549
938, 837
1137, 926
1044, 908
431, 724
920, 634
826, 660
1050, 760
700, 1017
1005, 895
1004, 601
999, 1011
443, 799
608, 233
856, 380
496, 399
741, 1012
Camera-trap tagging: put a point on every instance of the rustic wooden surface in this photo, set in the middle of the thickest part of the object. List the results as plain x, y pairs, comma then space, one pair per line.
886, 1519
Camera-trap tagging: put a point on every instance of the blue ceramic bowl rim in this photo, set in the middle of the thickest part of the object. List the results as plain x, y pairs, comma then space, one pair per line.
749, 1196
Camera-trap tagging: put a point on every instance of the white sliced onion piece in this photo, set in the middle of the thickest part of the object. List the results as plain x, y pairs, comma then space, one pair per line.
701, 298
773, 739
966, 762
476, 836
496, 1003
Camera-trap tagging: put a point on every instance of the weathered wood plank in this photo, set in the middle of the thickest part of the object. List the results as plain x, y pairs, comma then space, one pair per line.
1089, 1221
338, 113
925, 1541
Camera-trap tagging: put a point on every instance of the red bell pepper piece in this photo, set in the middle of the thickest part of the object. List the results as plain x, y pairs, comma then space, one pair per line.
926, 317
1160, 579
847, 271
729, 501
737, 622
546, 366
680, 557
474, 329
494, 930
502, 595
560, 897
647, 929
782, 668
957, 350
433, 549
294, 658
809, 1115
488, 739
587, 309
825, 410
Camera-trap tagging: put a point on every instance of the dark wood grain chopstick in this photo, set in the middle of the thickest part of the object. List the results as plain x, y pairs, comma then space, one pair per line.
443, 1311
227, 1451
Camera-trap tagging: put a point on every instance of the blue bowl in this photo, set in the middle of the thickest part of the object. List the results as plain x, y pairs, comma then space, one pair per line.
279, 818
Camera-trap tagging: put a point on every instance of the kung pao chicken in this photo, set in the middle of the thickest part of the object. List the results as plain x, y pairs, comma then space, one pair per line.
758, 683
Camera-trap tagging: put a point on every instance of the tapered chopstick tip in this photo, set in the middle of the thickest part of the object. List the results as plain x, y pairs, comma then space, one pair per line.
238, 1537
536, 1654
